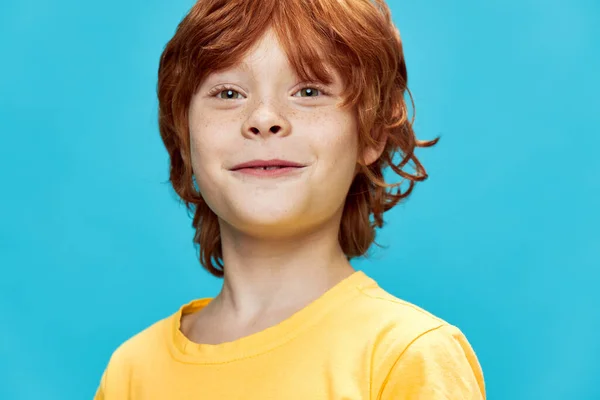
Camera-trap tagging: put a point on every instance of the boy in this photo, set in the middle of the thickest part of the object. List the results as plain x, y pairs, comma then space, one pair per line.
279, 117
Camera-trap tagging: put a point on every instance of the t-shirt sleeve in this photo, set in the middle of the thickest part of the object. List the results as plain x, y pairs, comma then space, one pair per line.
100, 389
115, 381
438, 365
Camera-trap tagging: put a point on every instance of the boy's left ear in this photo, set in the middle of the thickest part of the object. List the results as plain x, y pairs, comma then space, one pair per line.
370, 154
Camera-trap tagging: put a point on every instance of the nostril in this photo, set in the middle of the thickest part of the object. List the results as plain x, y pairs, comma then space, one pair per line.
273, 129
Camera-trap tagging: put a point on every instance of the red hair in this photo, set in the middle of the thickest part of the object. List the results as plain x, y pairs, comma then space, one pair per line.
357, 37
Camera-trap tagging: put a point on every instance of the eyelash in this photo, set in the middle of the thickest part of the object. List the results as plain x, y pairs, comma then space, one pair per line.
220, 89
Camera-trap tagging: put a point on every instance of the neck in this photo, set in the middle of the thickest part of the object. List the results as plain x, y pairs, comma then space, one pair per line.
263, 276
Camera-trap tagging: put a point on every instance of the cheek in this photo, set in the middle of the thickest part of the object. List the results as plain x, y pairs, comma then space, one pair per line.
206, 150
336, 143
210, 137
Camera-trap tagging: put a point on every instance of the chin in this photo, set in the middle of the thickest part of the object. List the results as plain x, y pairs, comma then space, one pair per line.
269, 220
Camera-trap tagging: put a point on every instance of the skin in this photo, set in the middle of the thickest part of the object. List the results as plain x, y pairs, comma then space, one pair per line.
279, 235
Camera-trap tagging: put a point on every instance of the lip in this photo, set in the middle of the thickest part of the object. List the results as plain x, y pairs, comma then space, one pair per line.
254, 168
269, 173
267, 163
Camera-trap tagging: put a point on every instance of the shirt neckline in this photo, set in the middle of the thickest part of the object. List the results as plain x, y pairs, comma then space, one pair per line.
183, 349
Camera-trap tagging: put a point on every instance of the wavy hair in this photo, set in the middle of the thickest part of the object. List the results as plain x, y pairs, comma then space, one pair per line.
357, 37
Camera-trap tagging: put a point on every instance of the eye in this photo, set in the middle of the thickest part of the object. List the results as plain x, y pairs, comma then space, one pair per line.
229, 94
225, 93
308, 91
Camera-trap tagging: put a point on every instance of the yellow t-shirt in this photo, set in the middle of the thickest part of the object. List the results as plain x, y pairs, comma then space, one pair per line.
354, 342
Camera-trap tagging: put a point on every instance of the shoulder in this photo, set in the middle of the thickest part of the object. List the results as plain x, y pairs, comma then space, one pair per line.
415, 352
139, 349
135, 349
400, 320
438, 364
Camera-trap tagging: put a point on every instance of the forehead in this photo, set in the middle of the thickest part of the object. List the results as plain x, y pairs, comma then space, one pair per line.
269, 57
252, 65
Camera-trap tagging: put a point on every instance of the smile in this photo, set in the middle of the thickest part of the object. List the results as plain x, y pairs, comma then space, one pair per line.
269, 172
268, 168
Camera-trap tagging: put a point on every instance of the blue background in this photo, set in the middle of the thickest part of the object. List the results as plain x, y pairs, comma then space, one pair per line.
502, 240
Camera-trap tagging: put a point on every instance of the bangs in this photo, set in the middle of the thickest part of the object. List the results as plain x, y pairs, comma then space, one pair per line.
229, 30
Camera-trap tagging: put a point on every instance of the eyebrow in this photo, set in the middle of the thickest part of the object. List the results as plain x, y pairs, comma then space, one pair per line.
241, 66
244, 67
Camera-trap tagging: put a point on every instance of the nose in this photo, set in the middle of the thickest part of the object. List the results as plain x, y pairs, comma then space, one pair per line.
266, 120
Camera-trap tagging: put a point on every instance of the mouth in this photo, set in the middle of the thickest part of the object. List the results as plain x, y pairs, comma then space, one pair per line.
267, 165
268, 168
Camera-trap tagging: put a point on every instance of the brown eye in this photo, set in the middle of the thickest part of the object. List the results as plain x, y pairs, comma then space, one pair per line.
308, 92
228, 94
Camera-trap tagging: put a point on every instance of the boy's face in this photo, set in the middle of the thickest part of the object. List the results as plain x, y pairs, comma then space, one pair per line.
266, 113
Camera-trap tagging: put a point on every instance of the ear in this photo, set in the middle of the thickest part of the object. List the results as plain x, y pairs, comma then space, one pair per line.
370, 154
